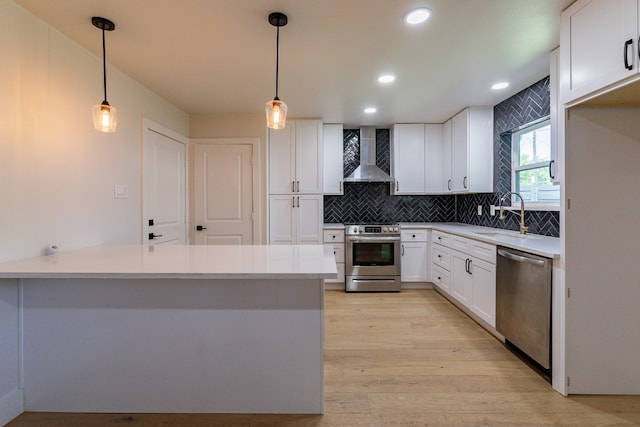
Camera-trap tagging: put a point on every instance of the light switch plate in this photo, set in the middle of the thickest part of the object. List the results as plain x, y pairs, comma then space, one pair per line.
479, 209
492, 210
121, 191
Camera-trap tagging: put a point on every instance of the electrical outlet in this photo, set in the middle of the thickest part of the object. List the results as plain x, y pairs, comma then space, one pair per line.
492, 210
479, 209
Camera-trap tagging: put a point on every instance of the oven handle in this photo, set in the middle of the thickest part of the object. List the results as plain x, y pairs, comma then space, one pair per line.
373, 238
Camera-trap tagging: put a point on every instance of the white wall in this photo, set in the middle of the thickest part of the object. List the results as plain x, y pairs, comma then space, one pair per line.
57, 174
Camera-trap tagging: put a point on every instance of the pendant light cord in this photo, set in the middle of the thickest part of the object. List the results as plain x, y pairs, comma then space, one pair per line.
104, 66
277, 56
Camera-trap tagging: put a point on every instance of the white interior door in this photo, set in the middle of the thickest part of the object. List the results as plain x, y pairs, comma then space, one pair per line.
224, 191
164, 185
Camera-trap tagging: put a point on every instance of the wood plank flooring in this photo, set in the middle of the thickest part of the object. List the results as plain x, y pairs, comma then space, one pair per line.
406, 359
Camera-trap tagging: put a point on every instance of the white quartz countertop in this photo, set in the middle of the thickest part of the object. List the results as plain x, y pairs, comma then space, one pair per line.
533, 243
181, 262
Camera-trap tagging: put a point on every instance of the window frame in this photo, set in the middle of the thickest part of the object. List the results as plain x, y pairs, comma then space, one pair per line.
515, 167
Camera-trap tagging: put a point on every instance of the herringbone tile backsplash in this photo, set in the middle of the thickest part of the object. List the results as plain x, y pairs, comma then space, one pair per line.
372, 202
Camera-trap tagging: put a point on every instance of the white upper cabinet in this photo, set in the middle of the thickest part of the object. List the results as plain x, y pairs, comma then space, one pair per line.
408, 158
599, 46
471, 152
416, 158
333, 150
434, 149
295, 158
557, 117
446, 157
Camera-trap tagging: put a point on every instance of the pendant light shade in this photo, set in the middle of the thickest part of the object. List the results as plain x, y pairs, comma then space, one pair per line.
105, 116
276, 109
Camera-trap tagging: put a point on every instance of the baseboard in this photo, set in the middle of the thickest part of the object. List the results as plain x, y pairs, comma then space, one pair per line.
334, 286
417, 285
11, 405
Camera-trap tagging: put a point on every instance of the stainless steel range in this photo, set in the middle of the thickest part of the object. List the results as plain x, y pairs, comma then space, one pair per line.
372, 258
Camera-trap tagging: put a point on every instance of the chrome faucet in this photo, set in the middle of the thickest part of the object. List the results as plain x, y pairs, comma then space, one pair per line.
523, 228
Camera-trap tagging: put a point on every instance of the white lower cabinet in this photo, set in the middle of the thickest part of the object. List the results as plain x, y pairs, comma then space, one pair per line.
295, 219
465, 269
335, 238
414, 260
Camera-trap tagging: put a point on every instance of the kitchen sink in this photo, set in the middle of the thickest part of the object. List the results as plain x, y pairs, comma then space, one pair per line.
503, 234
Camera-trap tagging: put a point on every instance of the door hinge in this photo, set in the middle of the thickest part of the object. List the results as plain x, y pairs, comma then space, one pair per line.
568, 381
568, 293
568, 203
253, 216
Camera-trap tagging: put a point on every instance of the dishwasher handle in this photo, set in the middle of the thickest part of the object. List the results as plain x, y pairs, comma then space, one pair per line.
520, 258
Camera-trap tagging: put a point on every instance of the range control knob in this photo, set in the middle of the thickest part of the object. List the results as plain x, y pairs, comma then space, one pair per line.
395, 228
384, 229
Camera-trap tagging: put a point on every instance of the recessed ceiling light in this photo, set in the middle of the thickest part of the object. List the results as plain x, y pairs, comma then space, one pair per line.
500, 85
417, 16
370, 110
386, 78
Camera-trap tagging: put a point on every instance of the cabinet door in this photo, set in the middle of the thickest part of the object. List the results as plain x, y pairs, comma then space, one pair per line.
309, 213
308, 155
434, 155
459, 151
441, 278
333, 164
461, 278
557, 116
407, 158
484, 290
281, 220
282, 159
447, 178
413, 262
599, 45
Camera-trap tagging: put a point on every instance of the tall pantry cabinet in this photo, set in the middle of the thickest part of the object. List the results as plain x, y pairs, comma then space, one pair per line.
295, 183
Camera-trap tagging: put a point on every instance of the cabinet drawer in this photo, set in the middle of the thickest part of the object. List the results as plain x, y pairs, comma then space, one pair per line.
441, 278
413, 235
483, 251
442, 256
475, 248
441, 238
338, 251
331, 236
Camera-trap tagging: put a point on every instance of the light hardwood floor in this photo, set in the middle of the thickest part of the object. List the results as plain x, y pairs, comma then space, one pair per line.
407, 359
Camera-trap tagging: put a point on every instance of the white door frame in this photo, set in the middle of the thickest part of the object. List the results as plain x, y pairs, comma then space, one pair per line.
255, 147
147, 126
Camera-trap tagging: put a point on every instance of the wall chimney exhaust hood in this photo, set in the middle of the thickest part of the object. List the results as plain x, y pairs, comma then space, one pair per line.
368, 171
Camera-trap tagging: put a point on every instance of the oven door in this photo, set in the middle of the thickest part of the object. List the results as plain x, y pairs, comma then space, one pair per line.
372, 256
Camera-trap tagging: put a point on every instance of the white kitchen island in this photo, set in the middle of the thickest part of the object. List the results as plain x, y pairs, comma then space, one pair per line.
234, 329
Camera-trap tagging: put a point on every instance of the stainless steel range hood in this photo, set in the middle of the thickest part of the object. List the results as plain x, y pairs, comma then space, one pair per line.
368, 171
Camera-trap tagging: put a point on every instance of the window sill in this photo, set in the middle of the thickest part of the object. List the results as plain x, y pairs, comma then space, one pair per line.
534, 207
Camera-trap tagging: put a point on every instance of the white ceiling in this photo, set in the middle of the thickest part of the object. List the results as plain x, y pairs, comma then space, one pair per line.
215, 56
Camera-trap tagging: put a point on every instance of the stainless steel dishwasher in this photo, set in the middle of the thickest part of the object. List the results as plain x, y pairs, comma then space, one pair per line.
523, 302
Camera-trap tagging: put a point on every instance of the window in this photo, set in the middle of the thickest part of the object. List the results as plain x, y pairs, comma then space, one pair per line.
531, 155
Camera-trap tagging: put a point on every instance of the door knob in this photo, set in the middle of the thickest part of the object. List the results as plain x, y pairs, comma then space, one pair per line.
200, 228
153, 236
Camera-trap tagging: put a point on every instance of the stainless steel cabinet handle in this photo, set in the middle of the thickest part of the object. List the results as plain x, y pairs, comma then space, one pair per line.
298, 201
449, 185
520, 258
298, 186
469, 268
341, 186
550, 173
464, 182
293, 186
293, 202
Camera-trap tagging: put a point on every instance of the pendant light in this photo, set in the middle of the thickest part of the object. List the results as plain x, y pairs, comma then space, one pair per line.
277, 110
105, 116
